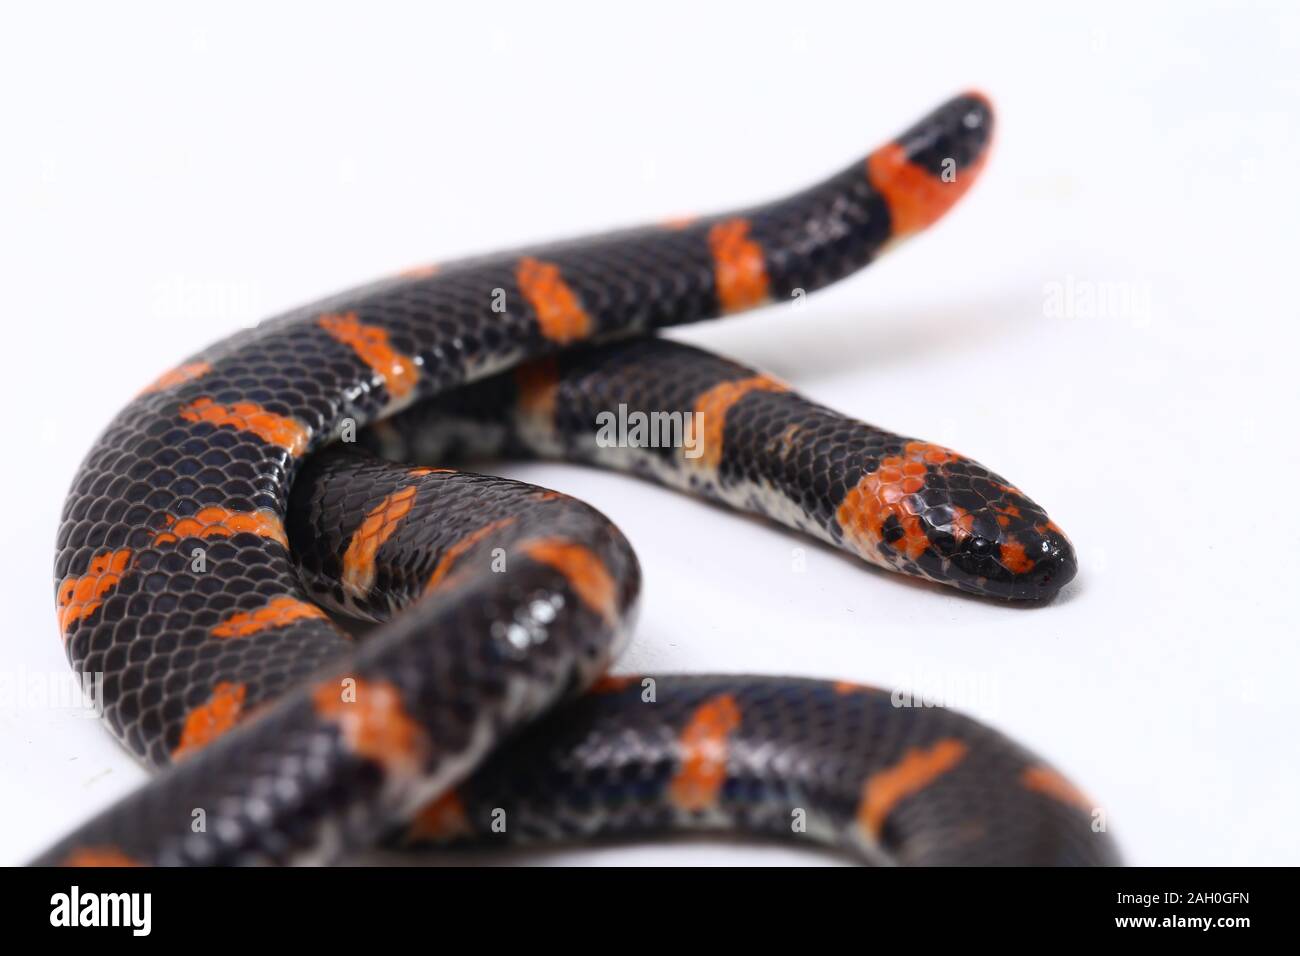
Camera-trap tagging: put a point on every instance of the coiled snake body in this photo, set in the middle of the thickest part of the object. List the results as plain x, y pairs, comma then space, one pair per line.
210, 529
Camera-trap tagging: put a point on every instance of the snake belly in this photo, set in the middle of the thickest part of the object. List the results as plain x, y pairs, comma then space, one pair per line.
237, 507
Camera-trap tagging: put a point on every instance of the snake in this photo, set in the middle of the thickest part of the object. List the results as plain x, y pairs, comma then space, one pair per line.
325, 639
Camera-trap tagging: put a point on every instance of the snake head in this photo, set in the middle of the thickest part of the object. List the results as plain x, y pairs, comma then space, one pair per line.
924, 171
930, 512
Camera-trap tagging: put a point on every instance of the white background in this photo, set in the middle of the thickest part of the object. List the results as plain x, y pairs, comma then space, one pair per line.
169, 175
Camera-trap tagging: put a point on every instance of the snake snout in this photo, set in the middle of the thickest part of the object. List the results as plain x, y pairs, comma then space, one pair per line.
1025, 564
1056, 568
